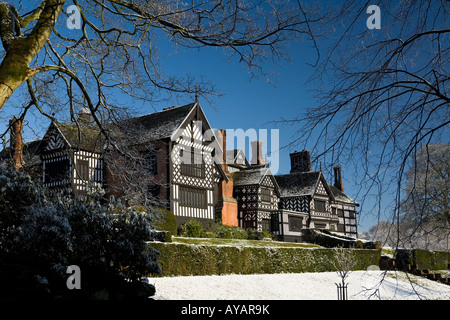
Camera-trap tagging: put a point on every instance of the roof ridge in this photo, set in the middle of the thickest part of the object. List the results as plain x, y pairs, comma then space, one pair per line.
164, 110
296, 173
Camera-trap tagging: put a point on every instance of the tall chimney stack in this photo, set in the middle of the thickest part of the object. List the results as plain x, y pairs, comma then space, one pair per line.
301, 161
16, 143
338, 178
222, 140
84, 115
226, 204
257, 158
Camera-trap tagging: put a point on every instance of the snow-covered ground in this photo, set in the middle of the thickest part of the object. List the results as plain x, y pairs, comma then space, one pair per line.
299, 286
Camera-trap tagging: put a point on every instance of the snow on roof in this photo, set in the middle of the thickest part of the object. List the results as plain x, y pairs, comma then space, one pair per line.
251, 176
158, 125
298, 184
341, 196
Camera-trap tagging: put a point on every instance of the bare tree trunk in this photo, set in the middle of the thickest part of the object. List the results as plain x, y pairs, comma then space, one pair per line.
13, 72
20, 51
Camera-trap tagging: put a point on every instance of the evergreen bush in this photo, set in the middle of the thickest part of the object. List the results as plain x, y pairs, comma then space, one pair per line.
229, 232
193, 228
44, 235
167, 222
258, 235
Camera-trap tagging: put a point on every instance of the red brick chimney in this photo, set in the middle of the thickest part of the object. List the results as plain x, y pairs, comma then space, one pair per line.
338, 178
16, 143
226, 201
301, 161
257, 158
222, 137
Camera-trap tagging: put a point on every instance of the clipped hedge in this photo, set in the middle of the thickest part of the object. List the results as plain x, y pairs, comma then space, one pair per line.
167, 223
184, 259
433, 260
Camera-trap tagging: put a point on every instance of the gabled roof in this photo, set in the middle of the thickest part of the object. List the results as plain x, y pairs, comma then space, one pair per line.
253, 176
233, 154
341, 196
143, 129
85, 137
301, 184
158, 125
165, 124
88, 137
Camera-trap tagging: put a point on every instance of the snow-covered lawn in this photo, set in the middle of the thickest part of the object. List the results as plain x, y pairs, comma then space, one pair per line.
299, 286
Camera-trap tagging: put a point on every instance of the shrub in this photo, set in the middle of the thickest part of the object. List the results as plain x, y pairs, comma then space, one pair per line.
258, 235
167, 222
229, 232
17, 192
209, 234
108, 242
193, 228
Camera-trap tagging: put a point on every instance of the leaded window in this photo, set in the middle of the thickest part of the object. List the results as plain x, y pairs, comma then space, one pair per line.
320, 206
265, 194
82, 169
295, 223
57, 170
193, 197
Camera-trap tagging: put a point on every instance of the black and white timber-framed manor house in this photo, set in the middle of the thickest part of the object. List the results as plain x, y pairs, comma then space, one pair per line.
307, 200
187, 168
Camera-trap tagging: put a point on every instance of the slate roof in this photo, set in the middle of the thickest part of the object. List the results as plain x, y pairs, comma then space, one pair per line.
87, 137
298, 184
341, 196
305, 183
29, 153
232, 157
158, 125
251, 176
140, 129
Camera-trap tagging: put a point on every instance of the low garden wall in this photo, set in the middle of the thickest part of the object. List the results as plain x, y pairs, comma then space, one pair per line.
185, 259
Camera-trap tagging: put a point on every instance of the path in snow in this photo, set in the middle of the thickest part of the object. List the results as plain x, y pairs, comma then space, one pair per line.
298, 286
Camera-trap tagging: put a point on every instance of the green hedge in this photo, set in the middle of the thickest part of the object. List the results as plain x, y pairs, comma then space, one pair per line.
182, 259
434, 260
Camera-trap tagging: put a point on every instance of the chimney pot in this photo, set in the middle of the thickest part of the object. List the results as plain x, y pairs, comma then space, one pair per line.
84, 115
222, 137
257, 158
301, 161
338, 178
